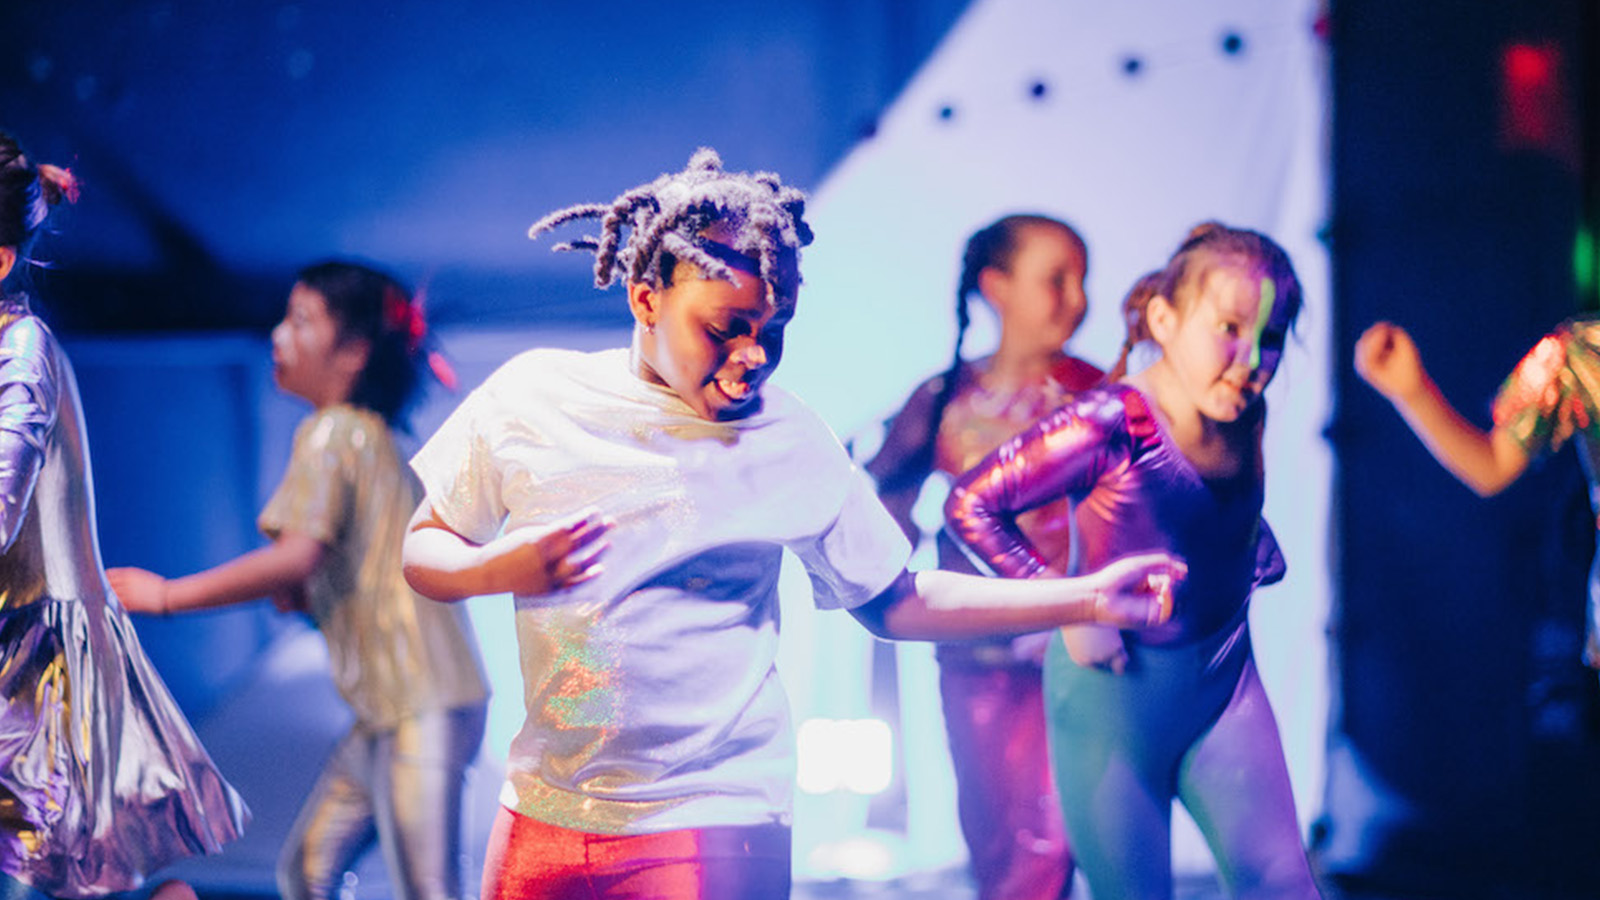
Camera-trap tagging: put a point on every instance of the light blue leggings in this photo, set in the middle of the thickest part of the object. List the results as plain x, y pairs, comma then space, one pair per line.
1189, 723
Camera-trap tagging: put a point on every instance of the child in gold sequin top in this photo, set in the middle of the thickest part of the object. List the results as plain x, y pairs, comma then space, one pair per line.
351, 344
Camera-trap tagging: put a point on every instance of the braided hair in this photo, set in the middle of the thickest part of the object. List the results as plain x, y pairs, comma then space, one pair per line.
666, 221
990, 247
1133, 316
27, 191
374, 306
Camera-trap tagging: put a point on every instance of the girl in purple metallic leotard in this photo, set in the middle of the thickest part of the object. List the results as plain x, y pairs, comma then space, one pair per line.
1169, 458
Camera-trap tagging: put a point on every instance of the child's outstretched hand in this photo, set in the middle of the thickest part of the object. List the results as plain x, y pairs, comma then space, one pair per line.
543, 559
140, 591
1387, 359
1136, 591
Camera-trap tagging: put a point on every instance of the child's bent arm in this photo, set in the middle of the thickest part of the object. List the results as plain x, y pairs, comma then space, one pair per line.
26, 380
1486, 462
1134, 592
531, 561
1061, 455
281, 565
437, 562
22, 458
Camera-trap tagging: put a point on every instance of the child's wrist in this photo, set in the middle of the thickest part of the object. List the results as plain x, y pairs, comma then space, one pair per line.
1099, 605
481, 573
1092, 602
1425, 391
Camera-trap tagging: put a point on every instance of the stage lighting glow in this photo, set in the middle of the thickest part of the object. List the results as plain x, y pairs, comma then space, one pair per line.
1586, 262
868, 856
844, 754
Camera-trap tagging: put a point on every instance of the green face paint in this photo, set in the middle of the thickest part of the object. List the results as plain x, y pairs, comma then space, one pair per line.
1269, 295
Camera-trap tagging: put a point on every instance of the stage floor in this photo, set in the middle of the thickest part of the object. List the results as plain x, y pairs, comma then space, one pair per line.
955, 885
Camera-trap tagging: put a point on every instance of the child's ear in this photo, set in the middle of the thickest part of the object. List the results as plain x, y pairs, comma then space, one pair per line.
992, 284
644, 301
8, 259
351, 355
1161, 318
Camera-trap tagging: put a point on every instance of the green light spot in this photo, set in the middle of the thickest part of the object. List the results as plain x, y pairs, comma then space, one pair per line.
1584, 266
1269, 295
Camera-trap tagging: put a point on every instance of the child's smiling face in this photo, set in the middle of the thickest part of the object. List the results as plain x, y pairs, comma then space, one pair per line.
713, 342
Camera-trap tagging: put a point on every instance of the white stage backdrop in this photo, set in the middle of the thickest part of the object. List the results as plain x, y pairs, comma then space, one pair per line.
1134, 121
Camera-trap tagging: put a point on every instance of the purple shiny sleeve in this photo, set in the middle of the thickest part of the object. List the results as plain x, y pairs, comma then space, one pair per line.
1062, 455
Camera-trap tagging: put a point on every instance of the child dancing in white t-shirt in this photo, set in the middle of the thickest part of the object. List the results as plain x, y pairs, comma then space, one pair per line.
636, 502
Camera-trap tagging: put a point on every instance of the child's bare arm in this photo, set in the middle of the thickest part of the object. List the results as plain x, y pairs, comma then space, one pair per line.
530, 561
283, 564
904, 462
1134, 592
1485, 461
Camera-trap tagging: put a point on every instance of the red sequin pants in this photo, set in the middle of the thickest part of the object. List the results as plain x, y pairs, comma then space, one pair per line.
530, 860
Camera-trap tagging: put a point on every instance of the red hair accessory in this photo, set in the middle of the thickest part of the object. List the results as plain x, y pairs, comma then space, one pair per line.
405, 316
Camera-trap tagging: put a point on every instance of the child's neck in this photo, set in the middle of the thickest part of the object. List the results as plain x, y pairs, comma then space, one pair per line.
1217, 450
327, 399
1011, 367
334, 388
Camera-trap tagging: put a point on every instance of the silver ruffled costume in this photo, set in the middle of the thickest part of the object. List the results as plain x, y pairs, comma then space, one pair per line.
101, 778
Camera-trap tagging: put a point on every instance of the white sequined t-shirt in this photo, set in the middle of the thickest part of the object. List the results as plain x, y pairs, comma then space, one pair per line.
652, 700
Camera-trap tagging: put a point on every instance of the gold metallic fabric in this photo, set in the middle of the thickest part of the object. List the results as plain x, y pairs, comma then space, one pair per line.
394, 654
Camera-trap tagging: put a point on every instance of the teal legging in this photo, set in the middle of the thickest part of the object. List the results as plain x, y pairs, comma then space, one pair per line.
1189, 723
